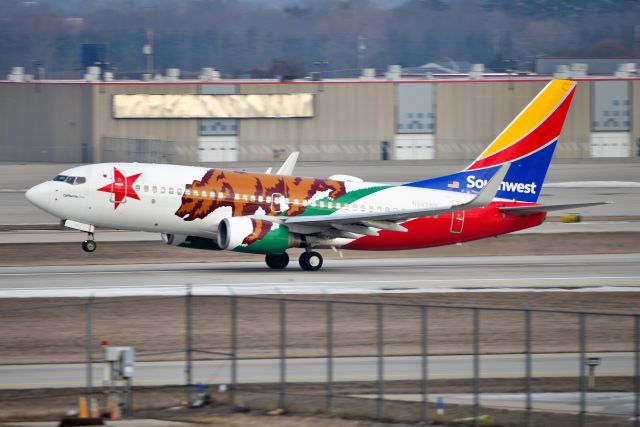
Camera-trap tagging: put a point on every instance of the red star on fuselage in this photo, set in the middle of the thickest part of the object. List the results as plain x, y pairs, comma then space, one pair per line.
121, 187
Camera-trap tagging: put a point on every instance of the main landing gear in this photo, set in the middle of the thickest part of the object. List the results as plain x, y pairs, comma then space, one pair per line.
89, 245
309, 261
277, 261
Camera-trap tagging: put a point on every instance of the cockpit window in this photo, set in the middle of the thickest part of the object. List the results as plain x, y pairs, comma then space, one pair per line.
73, 180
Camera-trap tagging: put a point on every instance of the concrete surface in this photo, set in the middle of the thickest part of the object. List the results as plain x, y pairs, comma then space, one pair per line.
617, 404
444, 274
314, 370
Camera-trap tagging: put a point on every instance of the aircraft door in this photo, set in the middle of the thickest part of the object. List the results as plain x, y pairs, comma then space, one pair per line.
276, 202
457, 222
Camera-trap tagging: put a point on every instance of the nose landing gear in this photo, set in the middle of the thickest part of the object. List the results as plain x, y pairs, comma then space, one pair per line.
89, 245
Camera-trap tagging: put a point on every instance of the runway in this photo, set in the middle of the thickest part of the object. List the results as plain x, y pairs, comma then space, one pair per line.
599, 272
313, 370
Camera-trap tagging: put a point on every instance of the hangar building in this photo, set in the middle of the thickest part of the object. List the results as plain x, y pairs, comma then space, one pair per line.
253, 120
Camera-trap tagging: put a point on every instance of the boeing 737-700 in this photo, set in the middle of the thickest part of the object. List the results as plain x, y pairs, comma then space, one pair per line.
268, 213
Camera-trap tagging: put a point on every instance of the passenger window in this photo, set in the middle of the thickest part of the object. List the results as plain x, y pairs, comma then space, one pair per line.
196, 193
187, 192
295, 202
313, 203
330, 205
137, 187
162, 190
268, 199
321, 204
304, 203
253, 198
146, 188
179, 191
212, 194
260, 199
220, 196
244, 197
204, 193
170, 190
338, 206
154, 189
236, 197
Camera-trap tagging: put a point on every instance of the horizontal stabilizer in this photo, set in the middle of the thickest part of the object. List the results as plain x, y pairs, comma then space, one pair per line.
528, 210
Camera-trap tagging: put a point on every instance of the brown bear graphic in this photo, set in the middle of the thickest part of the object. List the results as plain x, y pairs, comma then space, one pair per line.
230, 183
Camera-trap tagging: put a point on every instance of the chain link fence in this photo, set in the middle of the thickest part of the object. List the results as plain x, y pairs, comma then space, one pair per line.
378, 359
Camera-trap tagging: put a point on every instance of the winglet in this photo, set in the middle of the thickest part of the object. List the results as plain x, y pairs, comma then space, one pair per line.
489, 191
289, 164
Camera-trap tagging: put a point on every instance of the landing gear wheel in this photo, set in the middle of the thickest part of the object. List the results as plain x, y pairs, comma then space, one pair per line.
89, 245
277, 261
310, 261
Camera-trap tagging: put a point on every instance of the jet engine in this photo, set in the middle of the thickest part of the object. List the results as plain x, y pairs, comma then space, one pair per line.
247, 234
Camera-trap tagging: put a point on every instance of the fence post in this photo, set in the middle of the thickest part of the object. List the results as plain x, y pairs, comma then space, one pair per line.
380, 317
583, 361
89, 348
329, 390
283, 353
424, 384
476, 365
527, 361
188, 345
234, 349
636, 418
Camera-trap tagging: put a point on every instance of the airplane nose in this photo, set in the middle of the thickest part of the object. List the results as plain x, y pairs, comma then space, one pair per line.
39, 195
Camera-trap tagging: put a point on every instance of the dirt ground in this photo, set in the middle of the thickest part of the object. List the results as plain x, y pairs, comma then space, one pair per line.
306, 404
53, 330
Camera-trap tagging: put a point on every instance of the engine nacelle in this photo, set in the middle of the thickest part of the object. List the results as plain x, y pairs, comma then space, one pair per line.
244, 234
193, 242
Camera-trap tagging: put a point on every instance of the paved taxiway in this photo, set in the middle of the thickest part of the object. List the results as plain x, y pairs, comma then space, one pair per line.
621, 174
443, 274
314, 369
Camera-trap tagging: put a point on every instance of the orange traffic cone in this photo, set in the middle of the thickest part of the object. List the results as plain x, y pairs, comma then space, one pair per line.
83, 409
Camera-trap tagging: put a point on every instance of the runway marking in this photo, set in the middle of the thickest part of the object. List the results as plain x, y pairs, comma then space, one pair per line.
344, 282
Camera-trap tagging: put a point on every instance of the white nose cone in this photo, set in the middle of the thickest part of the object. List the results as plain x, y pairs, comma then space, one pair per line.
40, 195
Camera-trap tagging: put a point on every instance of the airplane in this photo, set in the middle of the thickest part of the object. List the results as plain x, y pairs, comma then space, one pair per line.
265, 213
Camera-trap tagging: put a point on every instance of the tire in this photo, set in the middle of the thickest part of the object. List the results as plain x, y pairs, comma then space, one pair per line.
89, 245
311, 261
277, 261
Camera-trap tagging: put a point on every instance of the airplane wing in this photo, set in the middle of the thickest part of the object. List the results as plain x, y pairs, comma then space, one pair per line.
358, 223
527, 210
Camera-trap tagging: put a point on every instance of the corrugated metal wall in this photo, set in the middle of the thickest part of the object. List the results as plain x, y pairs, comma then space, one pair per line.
45, 122
183, 133
351, 121
69, 122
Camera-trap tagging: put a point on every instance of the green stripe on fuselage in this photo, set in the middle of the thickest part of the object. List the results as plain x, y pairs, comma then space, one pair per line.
349, 197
